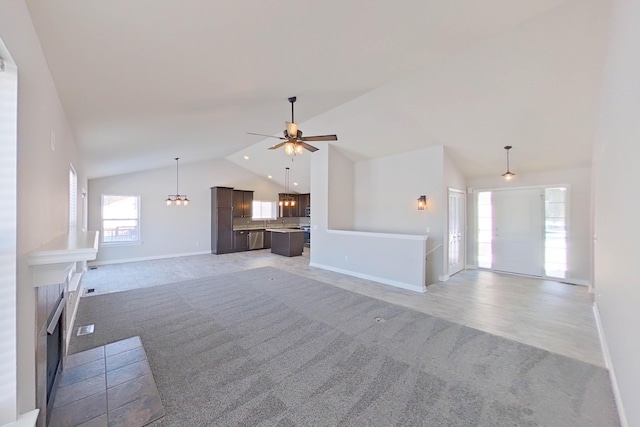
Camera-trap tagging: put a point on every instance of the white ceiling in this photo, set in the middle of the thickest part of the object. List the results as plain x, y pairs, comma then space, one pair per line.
145, 81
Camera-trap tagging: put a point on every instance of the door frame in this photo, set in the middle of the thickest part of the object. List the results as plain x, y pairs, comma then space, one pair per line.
464, 230
473, 224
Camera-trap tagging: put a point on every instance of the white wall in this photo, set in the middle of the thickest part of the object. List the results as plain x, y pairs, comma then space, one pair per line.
386, 198
171, 230
617, 207
341, 191
579, 221
43, 197
8, 226
394, 259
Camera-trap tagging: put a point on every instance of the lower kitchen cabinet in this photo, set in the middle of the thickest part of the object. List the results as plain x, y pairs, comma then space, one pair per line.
267, 240
240, 240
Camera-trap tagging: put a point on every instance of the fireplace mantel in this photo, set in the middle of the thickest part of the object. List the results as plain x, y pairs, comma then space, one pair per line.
52, 262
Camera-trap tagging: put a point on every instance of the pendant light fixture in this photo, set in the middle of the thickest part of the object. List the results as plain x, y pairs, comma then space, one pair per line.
508, 175
287, 199
177, 199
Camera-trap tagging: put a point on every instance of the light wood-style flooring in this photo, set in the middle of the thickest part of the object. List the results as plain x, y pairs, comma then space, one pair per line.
553, 316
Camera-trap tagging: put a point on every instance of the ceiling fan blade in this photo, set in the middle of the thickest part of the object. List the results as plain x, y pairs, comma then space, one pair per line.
274, 147
309, 147
319, 138
268, 136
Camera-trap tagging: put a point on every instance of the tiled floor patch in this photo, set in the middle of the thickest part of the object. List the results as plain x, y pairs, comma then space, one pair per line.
111, 385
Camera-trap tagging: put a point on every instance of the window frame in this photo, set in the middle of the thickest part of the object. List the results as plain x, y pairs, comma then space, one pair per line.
273, 208
138, 241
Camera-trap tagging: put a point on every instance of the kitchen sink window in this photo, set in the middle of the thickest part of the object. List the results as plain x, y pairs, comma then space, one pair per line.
264, 210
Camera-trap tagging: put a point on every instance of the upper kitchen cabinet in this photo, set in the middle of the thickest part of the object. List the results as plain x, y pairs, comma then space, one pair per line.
287, 205
304, 204
242, 202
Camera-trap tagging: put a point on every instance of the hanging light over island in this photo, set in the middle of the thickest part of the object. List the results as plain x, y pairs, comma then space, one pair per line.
177, 199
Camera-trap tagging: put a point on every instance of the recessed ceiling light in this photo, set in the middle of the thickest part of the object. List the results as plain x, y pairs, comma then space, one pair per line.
246, 157
295, 183
269, 176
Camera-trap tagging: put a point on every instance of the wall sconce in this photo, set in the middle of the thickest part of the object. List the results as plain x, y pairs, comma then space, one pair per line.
422, 203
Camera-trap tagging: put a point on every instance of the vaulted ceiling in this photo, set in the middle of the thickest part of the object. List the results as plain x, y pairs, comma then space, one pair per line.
145, 81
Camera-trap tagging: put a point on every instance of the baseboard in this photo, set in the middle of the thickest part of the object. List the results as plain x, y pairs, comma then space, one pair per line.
609, 365
394, 283
147, 258
579, 282
444, 278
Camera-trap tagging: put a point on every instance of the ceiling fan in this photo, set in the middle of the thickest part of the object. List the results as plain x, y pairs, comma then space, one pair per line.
293, 141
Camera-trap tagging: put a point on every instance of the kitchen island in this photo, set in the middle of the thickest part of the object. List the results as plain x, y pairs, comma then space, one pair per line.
286, 241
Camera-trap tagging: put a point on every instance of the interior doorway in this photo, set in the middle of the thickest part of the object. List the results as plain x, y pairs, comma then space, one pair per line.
456, 231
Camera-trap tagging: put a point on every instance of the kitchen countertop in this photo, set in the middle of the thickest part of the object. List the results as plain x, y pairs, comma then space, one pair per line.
262, 227
284, 230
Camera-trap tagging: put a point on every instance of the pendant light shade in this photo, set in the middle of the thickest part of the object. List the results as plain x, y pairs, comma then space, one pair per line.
508, 175
177, 199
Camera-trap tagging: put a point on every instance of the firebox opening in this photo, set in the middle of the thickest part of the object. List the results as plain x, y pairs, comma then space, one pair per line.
55, 345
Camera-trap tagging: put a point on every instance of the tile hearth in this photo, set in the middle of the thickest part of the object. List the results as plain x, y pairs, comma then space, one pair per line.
110, 385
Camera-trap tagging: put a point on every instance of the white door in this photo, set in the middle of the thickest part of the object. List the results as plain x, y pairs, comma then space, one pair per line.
457, 240
518, 225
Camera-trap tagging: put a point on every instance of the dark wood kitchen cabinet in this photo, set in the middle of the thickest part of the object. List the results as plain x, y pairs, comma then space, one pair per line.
285, 210
242, 203
241, 240
221, 220
302, 201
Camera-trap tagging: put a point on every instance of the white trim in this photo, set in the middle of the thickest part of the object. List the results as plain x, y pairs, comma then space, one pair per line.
471, 267
389, 282
51, 263
74, 282
74, 292
444, 278
609, 364
27, 419
147, 258
383, 235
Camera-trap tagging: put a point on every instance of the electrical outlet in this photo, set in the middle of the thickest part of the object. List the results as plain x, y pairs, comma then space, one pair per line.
346, 258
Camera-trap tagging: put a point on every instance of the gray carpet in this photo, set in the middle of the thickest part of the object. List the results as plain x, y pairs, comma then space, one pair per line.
267, 347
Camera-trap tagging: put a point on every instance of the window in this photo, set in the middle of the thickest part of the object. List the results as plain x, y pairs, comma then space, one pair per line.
485, 230
555, 232
263, 210
73, 199
120, 219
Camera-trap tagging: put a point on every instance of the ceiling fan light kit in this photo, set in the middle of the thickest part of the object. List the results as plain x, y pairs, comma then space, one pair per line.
508, 175
293, 141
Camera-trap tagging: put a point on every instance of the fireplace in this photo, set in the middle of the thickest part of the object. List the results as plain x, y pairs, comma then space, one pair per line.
54, 349
50, 345
56, 270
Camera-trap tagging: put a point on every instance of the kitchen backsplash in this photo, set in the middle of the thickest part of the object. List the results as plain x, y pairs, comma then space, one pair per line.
293, 222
